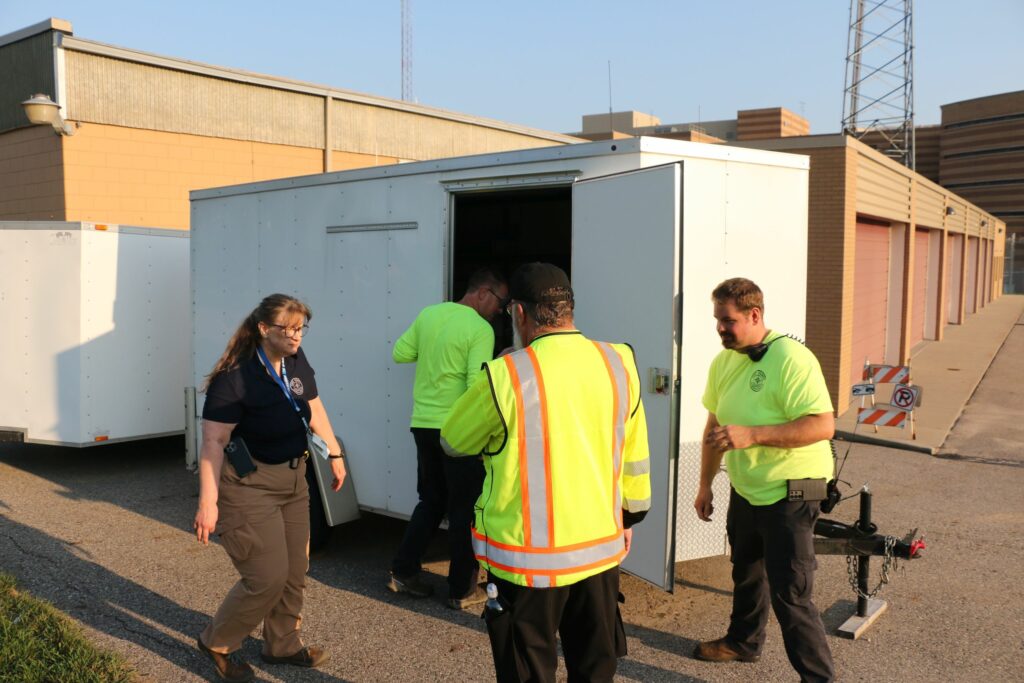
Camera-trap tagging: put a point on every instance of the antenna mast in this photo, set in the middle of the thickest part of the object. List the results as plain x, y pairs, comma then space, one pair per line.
407, 50
878, 90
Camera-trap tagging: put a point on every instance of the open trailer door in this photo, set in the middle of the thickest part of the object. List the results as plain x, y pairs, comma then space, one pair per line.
626, 276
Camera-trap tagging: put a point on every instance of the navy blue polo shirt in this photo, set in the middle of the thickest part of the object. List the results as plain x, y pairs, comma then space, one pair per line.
249, 398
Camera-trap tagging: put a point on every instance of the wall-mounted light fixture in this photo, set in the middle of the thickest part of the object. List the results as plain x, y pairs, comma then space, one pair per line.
950, 211
984, 222
42, 111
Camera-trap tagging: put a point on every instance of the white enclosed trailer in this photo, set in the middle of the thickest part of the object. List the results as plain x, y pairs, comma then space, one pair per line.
646, 228
97, 325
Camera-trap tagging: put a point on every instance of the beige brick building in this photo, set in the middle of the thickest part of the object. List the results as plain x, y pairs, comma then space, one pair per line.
148, 129
893, 258
978, 152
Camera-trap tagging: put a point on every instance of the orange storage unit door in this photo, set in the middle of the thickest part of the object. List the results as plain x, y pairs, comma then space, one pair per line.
972, 275
920, 300
954, 277
870, 296
986, 288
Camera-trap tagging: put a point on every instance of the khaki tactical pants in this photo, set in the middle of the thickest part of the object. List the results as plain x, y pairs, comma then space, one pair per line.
263, 525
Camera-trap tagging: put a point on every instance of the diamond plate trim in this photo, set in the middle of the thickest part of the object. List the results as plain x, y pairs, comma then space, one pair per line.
696, 539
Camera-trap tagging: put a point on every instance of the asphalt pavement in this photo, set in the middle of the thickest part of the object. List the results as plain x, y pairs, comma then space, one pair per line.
105, 534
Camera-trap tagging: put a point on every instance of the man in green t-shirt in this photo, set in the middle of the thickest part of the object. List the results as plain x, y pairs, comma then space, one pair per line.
449, 342
770, 416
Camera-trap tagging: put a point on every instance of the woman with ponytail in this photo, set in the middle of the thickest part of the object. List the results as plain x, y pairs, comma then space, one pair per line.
260, 397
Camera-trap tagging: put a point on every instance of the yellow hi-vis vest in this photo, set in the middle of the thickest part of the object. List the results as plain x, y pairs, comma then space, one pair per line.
564, 438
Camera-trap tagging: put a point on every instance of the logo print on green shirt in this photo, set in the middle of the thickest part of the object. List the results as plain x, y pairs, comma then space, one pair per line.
757, 381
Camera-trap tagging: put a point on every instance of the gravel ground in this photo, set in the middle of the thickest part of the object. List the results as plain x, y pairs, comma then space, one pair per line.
104, 534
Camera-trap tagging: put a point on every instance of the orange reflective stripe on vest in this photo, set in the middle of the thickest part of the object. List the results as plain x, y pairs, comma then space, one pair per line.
540, 559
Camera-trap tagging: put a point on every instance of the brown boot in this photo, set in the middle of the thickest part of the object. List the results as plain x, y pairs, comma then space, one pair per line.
308, 656
227, 668
721, 650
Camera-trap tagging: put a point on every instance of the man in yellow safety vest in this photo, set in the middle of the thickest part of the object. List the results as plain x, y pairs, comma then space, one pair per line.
562, 430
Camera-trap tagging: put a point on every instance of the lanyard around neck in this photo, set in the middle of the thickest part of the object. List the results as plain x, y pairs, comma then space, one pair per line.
281, 380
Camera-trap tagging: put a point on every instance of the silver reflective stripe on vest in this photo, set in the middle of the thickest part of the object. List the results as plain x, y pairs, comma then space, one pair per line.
450, 450
638, 467
638, 505
541, 581
536, 479
563, 561
621, 386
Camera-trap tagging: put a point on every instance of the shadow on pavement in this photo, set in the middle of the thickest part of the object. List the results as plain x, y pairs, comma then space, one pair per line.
660, 640
358, 557
54, 571
149, 478
146, 477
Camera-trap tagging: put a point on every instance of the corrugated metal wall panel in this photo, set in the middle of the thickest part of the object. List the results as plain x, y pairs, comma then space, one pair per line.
27, 70
112, 91
957, 221
881, 191
870, 297
930, 209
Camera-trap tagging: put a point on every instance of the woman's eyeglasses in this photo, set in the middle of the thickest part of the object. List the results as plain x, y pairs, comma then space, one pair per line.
292, 332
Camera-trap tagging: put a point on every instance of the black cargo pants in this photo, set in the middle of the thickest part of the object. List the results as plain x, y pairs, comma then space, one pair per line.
773, 559
449, 486
584, 614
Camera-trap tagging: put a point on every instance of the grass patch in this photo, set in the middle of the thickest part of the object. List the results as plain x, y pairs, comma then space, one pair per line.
39, 644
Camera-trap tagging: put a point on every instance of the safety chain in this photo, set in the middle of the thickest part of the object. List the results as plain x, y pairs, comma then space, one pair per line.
889, 561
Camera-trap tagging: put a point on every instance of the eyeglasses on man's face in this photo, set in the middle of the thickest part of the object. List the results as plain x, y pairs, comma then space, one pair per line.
502, 302
292, 332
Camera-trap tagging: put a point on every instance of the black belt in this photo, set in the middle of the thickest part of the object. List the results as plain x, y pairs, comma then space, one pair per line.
293, 463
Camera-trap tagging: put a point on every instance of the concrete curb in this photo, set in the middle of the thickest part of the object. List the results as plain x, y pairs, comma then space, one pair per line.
843, 435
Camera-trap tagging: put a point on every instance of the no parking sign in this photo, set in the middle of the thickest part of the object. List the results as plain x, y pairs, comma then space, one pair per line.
906, 396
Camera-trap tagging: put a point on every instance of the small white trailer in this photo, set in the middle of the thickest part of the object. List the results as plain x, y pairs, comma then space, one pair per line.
96, 332
645, 227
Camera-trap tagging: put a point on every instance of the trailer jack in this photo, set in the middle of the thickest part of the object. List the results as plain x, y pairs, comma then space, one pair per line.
859, 542
850, 539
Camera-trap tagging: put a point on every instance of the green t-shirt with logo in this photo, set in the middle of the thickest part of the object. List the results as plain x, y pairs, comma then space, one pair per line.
786, 384
448, 342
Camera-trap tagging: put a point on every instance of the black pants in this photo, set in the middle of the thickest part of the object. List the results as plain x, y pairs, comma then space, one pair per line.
584, 614
773, 558
449, 486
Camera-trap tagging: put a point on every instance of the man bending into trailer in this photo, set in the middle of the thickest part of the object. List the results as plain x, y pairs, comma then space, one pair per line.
449, 342
770, 416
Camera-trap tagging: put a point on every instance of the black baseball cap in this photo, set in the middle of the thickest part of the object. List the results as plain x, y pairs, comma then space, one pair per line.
537, 283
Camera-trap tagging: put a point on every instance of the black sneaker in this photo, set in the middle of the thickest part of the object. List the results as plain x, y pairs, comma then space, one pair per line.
413, 585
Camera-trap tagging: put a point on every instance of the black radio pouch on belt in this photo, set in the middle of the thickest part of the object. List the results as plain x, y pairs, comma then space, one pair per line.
239, 456
806, 490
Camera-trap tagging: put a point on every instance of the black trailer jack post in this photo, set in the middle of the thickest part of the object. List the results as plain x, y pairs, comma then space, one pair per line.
858, 542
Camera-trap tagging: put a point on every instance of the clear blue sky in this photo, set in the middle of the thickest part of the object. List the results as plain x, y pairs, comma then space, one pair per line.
545, 63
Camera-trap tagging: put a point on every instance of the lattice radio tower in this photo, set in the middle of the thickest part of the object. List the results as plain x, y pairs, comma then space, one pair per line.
407, 50
878, 92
